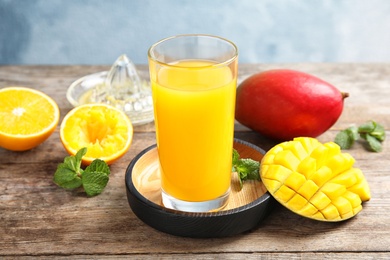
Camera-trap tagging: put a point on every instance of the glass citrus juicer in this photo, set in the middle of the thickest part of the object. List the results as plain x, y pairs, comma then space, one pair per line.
120, 87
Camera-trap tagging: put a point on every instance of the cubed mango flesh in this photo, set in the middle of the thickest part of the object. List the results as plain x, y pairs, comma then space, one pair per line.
314, 180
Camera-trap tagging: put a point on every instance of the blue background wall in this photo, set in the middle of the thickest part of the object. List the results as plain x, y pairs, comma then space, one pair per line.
98, 31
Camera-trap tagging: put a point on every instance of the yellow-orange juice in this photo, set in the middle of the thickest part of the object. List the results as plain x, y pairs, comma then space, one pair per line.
194, 114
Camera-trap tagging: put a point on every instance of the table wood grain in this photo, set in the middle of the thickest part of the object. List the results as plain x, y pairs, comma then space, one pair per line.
38, 219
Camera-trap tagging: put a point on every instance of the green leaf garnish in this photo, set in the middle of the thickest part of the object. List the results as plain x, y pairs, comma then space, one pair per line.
94, 178
374, 143
247, 169
74, 162
66, 177
367, 127
236, 157
353, 132
372, 132
344, 140
379, 133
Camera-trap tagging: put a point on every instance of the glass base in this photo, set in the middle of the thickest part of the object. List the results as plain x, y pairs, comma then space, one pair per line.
190, 206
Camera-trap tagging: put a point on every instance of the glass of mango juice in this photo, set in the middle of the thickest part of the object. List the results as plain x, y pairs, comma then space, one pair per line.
194, 80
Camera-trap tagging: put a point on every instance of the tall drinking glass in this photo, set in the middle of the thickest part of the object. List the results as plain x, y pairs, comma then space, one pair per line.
194, 80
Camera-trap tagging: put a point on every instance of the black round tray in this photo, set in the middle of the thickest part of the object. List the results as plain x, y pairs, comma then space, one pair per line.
223, 223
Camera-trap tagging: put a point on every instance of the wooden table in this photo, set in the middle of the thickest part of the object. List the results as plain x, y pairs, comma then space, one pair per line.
39, 219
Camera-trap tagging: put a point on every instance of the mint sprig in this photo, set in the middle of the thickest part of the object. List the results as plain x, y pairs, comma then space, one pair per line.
247, 169
372, 132
94, 178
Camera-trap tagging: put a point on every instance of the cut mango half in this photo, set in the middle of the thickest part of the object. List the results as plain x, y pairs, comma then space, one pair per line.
314, 180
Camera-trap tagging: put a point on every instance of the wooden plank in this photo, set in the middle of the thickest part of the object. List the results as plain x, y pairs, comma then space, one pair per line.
233, 256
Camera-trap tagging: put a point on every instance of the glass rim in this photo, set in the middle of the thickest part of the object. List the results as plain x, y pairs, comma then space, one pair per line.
223, 63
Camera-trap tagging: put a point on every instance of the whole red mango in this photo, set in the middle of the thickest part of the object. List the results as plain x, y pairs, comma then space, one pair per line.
283, 104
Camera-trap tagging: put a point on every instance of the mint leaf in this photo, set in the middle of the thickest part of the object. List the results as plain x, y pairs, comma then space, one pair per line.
236, 156
95, 177
98, 166
374, 134
74, 162
66, 177
353, 132
247, 169
367, 127
347, 137
374, 143
79, 155
379, 133
94, 182
344, 139
71, 163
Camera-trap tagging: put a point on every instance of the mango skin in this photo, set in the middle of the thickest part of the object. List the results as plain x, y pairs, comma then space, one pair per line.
282, 104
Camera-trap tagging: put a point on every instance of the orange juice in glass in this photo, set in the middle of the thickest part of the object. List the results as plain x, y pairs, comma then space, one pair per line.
194, 86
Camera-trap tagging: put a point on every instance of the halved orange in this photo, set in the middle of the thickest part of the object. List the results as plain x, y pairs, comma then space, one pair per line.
107, 132
27, 118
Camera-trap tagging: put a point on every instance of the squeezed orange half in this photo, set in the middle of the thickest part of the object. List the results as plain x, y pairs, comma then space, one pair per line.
107, 132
